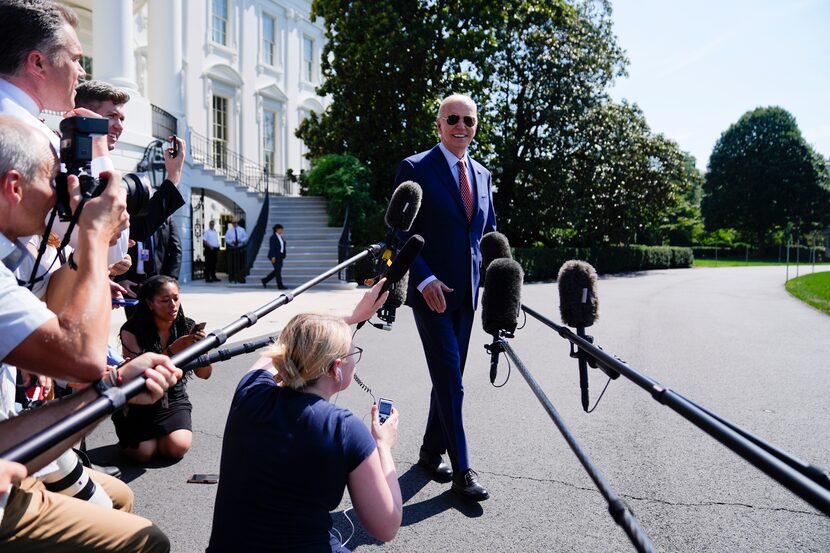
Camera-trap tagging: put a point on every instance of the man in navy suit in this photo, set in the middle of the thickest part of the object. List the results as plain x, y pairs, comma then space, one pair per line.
276, 253
456, 211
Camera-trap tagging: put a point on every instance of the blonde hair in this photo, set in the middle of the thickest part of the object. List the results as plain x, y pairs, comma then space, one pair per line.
307, 347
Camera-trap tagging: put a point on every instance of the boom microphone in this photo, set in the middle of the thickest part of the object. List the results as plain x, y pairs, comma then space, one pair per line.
404, 206
494, 245
397, 297
403, 261
578, 302
500, 304
400, 214
579, 307
396, 272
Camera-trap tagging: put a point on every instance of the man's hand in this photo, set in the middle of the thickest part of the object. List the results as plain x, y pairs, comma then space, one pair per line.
106, 214
130, 287
174, 164
434, 295
160, 373
10, 473
273, 260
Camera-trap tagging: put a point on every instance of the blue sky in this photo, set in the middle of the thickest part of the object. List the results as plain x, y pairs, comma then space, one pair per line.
697, 66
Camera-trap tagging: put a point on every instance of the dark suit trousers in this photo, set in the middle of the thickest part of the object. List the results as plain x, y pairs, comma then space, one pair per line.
446, 338
277, 272
210, 263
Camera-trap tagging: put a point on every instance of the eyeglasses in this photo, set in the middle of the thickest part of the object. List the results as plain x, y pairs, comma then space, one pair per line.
469, 121
357, 351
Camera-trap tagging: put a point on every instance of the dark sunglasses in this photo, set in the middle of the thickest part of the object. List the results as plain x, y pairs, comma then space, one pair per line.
453, 120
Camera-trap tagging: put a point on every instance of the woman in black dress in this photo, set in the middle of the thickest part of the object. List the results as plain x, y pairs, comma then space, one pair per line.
159, 325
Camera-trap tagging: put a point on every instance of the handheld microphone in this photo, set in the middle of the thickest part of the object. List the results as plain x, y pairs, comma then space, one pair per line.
397, 297
397, 271
500, 305
400, 214
579, 307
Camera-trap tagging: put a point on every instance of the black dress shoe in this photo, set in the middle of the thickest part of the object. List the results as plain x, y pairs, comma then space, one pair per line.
263, 284
466, 485
440, 471
282, 287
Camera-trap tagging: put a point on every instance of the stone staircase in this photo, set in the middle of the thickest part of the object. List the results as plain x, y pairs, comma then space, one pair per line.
312, 244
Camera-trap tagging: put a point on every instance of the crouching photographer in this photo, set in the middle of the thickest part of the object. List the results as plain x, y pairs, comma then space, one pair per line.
68, 344
285, 439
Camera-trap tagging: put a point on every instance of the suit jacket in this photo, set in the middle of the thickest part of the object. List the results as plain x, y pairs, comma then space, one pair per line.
451, 250
166, 254
274, 247
163, 203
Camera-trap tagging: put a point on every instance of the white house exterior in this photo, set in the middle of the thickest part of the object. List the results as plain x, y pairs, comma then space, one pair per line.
238, 75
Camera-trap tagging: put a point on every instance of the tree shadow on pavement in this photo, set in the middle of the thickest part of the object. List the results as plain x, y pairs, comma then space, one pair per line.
411, 482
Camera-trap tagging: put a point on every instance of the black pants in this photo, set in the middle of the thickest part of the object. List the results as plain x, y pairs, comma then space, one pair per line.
236, 264
210, 264
277, 272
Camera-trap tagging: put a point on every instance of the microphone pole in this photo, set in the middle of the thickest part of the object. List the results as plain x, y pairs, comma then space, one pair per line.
115, 398
807, 482
583, 370
620, 511
225, 354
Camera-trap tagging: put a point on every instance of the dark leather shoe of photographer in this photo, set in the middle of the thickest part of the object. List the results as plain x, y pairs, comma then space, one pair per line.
466, 485
438, 469
113, 471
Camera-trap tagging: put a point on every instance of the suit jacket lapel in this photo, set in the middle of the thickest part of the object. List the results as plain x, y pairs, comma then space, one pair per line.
443, 170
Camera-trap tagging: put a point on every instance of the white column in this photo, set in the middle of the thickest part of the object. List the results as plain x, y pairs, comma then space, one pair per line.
112, 44
164, 56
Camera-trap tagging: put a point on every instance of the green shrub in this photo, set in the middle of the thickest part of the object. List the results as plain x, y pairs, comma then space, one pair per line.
344, 181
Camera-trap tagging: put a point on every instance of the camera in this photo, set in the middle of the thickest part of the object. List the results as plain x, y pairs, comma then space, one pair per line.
76, 157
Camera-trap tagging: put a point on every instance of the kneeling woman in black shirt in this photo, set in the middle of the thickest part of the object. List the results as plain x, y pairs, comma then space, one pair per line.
159, 325
288, 453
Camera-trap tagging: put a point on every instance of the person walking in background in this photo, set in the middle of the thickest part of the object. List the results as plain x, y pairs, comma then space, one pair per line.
235, 240
277, 251
456, 211
210, 242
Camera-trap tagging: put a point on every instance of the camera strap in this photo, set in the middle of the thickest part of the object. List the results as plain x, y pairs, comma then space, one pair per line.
44, 242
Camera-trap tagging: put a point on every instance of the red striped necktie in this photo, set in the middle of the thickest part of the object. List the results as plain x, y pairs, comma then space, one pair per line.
466, 191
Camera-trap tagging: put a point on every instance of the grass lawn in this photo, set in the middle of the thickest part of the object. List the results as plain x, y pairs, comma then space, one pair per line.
743, 263
813, 289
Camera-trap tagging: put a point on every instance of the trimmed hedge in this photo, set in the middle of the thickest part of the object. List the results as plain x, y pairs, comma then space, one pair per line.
544, 263
766, 253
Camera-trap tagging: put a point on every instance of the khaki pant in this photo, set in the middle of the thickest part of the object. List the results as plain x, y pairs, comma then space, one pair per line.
39, 520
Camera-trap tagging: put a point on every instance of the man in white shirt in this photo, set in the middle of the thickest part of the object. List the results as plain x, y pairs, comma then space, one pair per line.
235, 240
210, 242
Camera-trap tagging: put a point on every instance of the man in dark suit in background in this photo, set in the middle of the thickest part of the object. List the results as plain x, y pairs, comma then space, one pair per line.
277, 251
456, 211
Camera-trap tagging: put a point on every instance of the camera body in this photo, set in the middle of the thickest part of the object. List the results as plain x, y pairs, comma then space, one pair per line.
76, 156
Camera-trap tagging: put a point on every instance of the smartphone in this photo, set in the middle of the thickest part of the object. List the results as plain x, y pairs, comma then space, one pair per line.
203, 479
174, 146
125, 301
384, 409
198, 327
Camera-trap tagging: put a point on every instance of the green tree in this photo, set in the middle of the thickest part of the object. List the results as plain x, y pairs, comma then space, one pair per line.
763, 176
569, 166
386, 65
682, 225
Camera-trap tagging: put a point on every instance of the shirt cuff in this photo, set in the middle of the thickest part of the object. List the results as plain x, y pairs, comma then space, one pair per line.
100, 164
426, 281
